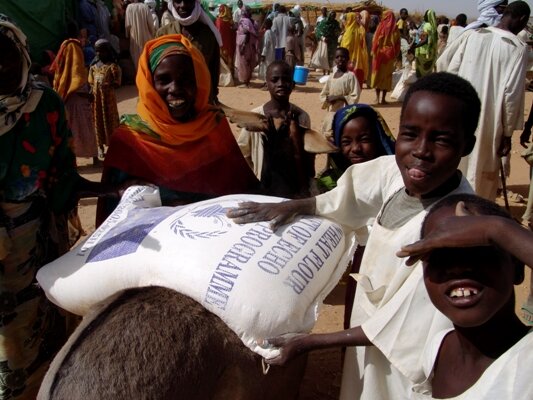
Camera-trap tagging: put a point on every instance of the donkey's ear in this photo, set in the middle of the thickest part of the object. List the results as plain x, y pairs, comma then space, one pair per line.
316, 143
248, 120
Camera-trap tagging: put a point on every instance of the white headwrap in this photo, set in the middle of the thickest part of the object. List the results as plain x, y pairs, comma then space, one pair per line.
26, 97
487, 14
197, 13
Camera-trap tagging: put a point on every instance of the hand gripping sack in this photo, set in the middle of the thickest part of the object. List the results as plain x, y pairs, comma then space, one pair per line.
261, 283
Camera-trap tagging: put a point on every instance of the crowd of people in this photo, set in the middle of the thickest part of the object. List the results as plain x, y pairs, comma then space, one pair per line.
421, 231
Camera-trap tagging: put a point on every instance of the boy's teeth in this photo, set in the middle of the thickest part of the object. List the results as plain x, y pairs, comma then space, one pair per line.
463, 292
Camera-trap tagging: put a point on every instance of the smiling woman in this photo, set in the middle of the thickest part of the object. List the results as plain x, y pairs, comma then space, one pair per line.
177, 141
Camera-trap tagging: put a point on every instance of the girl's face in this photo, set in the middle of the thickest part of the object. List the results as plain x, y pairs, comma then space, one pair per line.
359, 143
10, 66
175, 82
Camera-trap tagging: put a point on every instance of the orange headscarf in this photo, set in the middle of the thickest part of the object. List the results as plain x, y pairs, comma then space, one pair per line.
153, 109
198, 156
386, 41
69, 69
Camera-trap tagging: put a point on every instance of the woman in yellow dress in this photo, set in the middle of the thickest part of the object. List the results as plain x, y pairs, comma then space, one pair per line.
354, 40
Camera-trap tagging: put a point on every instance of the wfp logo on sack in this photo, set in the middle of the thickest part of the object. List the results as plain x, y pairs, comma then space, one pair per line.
216, 212
126, 237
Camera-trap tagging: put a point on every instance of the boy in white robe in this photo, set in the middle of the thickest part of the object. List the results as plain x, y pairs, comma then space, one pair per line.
340, 90
469, 272
391, 313
493, 60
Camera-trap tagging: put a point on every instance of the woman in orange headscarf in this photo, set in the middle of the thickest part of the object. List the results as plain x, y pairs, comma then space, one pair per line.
177, 141
385, 49
226, 27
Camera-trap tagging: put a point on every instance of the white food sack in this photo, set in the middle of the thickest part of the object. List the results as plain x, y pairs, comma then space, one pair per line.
261, 283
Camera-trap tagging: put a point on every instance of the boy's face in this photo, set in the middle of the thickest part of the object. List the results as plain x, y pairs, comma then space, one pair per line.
341, 59
280, 83
430, 143
468, 285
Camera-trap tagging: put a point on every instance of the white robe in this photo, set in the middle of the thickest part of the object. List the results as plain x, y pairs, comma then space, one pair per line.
251, 143
391, 303
347, 86
508, 377
494, 61
280, 28
454, 33
139, 28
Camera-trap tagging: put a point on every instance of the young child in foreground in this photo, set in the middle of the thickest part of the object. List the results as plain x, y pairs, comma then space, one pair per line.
473, 253
276, 155
391, 312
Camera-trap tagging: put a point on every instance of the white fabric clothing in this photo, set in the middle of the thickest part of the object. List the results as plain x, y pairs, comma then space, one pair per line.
320, 19
251, 143
494, 62
454, 33
269, 48
487, 14
407, 79
347, 86
197, 13
280, 27
237, 16
139, 28
391, 303
507, 377
167, 18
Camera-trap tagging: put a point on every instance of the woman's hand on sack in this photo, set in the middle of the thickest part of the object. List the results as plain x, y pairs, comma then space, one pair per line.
277, 213
289, 347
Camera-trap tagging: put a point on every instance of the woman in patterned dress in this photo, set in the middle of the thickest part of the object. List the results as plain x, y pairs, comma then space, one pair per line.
104, 78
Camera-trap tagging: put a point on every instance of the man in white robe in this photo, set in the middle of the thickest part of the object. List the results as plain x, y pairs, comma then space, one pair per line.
139, 28
494, 60
280, 29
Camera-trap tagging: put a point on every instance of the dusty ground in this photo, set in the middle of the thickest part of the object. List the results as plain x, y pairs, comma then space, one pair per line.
323, 376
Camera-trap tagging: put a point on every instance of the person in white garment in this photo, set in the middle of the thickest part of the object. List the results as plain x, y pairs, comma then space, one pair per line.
340, 90
490, 13
494, 60
280, 29
457, 29
152, 5
237, 13
139, 28
470, 270
391, 313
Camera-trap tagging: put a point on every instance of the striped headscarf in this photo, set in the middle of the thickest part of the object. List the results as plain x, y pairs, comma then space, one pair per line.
26, 97
154, 110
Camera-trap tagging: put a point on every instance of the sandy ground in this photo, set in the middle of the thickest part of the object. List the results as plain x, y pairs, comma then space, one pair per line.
323, 376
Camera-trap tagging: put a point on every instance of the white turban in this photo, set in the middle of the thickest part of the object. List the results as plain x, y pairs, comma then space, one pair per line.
198, 13
487, 14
